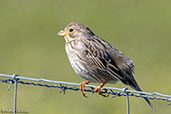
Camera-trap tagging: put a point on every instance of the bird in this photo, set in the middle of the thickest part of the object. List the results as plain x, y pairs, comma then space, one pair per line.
95, 60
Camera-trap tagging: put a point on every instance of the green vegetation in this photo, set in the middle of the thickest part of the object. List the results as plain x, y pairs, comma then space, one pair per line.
30, 47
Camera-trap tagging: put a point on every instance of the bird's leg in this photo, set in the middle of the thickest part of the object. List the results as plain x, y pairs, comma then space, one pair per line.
98, 89
82, 85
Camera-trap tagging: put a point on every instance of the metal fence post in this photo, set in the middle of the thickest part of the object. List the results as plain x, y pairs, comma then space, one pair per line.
127, 100
15, 93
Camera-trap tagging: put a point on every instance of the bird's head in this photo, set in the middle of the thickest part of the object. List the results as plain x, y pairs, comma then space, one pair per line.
74, 31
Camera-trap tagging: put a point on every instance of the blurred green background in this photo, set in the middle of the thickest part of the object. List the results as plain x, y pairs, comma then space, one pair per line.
30, 47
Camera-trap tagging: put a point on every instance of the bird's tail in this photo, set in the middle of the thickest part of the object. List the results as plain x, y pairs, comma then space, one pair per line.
129, 80
146, 99
134, 85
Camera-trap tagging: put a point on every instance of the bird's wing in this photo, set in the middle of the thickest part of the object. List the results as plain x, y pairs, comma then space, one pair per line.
101, 59
124, 65
108, 59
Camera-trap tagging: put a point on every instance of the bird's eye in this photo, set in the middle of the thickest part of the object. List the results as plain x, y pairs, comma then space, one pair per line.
70, 30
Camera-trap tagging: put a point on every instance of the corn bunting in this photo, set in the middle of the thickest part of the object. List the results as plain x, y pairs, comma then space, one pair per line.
95, 60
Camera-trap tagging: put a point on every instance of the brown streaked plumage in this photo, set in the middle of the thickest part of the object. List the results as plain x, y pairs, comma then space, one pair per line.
95, 60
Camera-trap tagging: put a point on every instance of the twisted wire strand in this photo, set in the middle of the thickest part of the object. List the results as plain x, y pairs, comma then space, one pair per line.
90, 88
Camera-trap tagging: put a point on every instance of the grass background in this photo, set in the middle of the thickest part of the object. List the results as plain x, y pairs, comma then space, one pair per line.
30, 47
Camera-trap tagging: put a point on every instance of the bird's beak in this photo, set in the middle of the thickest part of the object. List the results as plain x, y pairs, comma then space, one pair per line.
61, 33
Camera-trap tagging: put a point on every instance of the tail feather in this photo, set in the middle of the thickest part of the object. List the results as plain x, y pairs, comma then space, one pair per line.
146, 99
149, 103
129, 80
134, 85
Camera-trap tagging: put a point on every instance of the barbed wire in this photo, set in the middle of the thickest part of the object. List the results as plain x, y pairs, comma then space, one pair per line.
114, 92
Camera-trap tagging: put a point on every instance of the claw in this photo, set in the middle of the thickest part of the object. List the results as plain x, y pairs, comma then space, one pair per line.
98, 89
82, 86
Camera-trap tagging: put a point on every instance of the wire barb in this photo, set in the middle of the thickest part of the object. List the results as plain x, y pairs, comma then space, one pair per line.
12, 81
63, 88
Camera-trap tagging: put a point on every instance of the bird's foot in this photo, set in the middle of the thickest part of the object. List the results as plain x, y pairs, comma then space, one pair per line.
82, 86
98, 89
